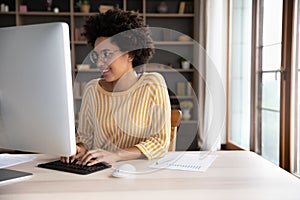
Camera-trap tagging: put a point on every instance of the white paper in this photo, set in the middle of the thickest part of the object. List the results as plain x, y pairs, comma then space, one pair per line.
186, 161
7, 160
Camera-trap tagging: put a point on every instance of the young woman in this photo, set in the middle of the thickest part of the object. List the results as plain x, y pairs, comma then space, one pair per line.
124, 114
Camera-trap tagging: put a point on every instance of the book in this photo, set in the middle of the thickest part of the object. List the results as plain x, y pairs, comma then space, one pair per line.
181, 7
8, 176
184, 89
181, 88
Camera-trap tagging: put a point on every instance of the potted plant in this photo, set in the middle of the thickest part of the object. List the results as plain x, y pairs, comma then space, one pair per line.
185, 64
84, 6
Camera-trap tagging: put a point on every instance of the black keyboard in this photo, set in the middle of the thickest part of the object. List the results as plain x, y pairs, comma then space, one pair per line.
75, 168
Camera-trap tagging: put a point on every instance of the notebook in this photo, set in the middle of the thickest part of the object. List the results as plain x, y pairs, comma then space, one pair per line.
8, 176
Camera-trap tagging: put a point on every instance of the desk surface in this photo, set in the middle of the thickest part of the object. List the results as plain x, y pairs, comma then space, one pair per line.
237, 175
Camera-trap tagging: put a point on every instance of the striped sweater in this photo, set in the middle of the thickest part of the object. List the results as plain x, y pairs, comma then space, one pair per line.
139, 116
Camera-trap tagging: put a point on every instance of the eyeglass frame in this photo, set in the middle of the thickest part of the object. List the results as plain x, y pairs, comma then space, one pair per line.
102, 56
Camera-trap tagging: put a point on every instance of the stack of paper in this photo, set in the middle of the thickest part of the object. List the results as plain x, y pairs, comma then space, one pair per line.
7, 160
185, 161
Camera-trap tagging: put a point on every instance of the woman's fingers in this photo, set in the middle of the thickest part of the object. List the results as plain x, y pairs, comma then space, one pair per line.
93, 156
93, 162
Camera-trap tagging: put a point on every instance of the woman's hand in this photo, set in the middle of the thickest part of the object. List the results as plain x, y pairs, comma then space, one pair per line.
80, 152
98, 155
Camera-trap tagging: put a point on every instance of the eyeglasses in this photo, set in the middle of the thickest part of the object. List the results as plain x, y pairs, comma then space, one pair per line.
105, 55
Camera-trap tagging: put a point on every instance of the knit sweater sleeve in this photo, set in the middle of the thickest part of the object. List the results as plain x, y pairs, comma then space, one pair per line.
157, 143
85, 132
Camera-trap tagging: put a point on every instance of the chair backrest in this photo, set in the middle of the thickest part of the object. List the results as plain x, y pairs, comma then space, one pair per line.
175, 122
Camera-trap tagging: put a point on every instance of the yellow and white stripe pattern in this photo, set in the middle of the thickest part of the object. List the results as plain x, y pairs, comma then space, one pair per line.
137, 117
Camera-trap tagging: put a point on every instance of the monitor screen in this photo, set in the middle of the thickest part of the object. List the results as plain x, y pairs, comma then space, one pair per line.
36, 98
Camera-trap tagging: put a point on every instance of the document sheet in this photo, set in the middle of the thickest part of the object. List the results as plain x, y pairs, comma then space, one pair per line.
7, 160
185, 161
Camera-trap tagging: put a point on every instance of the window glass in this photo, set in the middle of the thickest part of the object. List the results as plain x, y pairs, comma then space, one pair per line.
271, 56
270, 136
269, 104
298, 136
272, 18
270, 117
240, 72
271, 91
298, 67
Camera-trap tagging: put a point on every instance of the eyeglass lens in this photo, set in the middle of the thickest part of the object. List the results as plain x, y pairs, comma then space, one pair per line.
105, 54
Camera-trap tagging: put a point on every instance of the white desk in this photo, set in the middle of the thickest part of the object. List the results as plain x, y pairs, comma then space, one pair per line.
233, 175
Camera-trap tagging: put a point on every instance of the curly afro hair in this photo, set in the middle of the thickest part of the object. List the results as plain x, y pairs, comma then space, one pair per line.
118, 22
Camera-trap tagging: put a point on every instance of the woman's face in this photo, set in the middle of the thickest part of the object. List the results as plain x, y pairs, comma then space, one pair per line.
111, 61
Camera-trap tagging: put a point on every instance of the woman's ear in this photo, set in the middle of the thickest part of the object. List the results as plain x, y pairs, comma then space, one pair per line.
130, 58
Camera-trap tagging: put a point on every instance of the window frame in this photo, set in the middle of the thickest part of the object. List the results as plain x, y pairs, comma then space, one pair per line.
288, 125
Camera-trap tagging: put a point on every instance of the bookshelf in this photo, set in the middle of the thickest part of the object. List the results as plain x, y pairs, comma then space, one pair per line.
168, 46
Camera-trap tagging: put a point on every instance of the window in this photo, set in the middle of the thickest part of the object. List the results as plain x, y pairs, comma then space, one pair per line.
273, 82
240, 72
297, 63
269, 78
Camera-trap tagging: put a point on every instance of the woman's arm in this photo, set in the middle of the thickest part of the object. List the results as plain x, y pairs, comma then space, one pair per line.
98, 155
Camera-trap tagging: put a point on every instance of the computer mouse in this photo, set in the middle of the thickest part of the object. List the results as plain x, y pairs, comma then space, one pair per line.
124, 170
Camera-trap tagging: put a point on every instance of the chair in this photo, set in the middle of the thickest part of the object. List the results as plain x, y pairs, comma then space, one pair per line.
175, 122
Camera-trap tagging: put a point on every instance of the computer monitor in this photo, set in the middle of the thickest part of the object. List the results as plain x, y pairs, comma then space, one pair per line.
36, 98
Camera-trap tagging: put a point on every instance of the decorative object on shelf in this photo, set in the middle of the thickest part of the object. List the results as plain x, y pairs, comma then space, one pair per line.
184, 38
23, 8
104, 8
77, 34
185, 64
56, 10
48, 5
4, 8
84, 6
83, 67
189, 7
184, 88
181, 7
154, 66
162, 7
76, 89
181, 88
167, 34
186, 107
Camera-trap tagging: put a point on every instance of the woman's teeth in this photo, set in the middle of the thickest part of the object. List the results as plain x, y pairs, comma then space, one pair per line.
106, 70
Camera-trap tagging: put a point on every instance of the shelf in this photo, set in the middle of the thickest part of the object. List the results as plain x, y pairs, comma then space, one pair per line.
182, 121
170, 70
165, 42
168, 15
80, 14
147, 70
170, 43
171, 97
88, 70
80, 42
155, 42
44, 14
8, 13
173, 43
181, 97
189, 122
